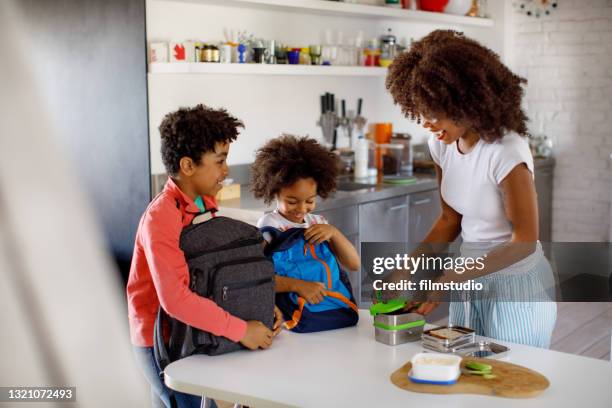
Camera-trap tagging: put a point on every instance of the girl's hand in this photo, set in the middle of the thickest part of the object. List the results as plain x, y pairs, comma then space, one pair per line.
318, 233
312, 292
278, 321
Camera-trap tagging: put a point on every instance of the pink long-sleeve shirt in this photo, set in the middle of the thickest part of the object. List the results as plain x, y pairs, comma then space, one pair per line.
159, 273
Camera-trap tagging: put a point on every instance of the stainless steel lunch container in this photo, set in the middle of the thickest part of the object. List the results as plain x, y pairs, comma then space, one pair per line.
433, 341
398, 328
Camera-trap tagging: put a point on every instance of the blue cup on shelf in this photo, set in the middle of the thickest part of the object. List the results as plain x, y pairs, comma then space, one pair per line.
293, 56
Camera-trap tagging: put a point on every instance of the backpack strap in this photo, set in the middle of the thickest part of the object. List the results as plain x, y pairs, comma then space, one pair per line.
297, 314
159, 346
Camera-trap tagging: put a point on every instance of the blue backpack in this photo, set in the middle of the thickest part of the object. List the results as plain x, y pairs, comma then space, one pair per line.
294, 257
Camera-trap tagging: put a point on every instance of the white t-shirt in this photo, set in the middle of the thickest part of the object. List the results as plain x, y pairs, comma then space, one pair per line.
470, 183
276, 220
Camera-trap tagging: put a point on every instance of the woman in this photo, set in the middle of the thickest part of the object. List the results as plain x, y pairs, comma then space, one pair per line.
462, 92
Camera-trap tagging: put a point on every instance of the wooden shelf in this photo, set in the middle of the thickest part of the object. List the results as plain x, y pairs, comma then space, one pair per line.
164, 68
326, 7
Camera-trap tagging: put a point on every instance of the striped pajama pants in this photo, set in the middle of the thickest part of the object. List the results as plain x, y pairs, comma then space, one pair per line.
526, 315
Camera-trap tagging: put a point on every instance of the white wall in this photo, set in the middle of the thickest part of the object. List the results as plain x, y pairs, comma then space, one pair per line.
567, 59
270, 105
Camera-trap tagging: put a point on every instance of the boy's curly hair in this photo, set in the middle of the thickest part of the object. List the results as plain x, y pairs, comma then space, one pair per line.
448, 74
191, 132
283, 161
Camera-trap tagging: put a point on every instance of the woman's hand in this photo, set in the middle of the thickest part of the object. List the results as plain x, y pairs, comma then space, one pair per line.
426, 308
278, 321
312, 292
319, 233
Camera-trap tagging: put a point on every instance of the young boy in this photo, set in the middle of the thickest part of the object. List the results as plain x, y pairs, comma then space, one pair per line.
195, 145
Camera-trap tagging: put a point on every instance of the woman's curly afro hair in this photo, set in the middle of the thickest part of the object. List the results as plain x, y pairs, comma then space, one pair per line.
283, 161
191, 132
448, 74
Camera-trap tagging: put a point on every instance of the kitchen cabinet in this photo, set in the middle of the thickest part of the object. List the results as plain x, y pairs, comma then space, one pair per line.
384, 220
381, 221
423, 212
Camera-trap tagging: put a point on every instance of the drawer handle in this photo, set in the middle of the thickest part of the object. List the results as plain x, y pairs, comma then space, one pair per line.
423, 201
398, 207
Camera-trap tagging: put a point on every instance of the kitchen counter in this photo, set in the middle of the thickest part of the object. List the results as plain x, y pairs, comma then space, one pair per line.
346, 367
249, 209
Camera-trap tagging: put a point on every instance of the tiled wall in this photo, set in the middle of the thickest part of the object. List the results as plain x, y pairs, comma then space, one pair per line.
567, 59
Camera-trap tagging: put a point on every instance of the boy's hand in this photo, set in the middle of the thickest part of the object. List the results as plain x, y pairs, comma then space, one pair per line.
318, 233
257, 336
312, 292
278, 321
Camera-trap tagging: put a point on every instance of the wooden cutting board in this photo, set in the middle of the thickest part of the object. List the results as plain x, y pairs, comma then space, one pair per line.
512, 381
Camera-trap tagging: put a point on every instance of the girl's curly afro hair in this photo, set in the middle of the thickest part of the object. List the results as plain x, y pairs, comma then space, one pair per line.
191, 132
283, 161
448, 74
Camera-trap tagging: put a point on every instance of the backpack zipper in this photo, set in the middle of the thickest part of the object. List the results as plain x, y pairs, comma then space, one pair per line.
244, 285
213, 274
232, 245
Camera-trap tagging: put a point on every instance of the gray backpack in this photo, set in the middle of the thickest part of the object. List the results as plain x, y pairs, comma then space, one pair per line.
227, 265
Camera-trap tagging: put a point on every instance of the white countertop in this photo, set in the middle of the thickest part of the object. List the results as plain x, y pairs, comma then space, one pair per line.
347, 367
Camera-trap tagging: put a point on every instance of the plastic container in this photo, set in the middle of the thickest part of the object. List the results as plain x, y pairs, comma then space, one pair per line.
390, 162
406, 160
435, 368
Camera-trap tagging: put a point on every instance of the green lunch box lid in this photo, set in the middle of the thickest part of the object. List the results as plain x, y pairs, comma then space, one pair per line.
387, 307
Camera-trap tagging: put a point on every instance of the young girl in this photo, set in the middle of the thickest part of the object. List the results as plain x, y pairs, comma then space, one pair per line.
294, 171
471, 102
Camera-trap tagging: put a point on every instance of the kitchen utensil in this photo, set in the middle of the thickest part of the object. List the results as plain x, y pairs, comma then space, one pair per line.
390, 158
305, 56
259, 55
315, 54
225, 53
281, 55
293, 56
511, 381
271, 52
428, 368
388, 48
347, 158
433, 5
458, 7
242, 49
329, 120
383, 132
